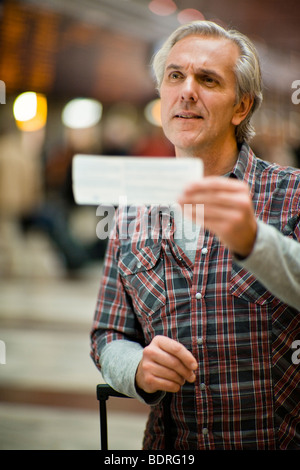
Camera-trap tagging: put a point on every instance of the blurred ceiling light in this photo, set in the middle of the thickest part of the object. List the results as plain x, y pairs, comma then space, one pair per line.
162, 7
152, 112
30, 111
189, 14
81, 113
25, 106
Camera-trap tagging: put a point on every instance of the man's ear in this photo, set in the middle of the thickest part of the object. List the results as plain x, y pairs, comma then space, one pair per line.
242, 109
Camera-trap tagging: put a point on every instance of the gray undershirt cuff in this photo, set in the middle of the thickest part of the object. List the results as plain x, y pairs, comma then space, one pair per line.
119, 361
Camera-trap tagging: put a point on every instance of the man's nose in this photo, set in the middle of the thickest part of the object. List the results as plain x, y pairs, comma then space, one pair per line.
189, 90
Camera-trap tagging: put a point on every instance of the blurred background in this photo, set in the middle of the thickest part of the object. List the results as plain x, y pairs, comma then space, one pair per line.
75, 77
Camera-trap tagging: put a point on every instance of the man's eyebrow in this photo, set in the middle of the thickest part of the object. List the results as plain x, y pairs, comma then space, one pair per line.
174, 66
210, 72
199, 71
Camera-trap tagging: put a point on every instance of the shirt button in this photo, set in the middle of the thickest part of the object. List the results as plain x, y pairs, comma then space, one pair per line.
198, 296
204, 431
204, 251
200, 341
202, 386
139, 265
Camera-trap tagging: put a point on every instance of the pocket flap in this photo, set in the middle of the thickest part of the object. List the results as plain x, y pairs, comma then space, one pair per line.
135, 260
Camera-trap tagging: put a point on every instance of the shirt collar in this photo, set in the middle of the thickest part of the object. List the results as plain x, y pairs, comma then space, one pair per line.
245, 166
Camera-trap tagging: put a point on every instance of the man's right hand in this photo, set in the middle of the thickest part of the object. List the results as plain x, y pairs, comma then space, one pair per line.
166, 365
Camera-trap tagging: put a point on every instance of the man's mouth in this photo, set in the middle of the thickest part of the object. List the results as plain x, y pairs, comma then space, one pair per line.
188, 116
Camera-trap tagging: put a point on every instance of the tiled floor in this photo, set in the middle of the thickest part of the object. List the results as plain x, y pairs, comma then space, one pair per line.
48, 383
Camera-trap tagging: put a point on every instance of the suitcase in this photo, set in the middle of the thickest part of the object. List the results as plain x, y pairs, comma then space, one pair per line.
105, 391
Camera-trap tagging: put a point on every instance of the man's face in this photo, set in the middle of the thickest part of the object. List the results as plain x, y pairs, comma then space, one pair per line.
198, 94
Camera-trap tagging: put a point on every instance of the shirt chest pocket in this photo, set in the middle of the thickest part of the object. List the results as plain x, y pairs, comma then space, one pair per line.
245, 286
142, 274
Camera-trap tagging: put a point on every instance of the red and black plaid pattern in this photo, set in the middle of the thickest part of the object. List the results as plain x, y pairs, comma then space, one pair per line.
247, 392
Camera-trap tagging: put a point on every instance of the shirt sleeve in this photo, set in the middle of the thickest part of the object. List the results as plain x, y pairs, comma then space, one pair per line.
117, 339
275, 261
114, 316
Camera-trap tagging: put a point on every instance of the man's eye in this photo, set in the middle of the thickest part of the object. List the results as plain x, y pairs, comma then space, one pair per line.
175, 75
209, 81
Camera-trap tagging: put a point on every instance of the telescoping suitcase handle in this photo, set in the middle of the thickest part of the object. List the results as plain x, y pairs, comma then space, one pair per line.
105, 391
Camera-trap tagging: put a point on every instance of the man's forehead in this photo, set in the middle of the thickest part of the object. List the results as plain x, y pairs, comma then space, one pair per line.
209, 47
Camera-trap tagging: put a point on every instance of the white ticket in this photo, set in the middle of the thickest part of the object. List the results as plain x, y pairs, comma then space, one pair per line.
132, 180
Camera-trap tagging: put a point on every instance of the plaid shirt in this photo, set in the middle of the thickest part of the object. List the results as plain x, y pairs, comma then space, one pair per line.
247, 392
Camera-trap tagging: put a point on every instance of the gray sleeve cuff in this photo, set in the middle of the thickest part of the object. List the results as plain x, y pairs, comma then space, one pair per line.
119, 361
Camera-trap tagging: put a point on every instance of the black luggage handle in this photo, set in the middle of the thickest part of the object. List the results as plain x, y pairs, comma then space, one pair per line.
105, 391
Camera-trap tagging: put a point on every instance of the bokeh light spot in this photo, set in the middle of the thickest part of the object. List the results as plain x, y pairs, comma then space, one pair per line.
162, 7
189, 14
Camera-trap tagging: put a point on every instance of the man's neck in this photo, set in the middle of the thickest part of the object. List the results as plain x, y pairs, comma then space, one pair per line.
218, 167
216, 162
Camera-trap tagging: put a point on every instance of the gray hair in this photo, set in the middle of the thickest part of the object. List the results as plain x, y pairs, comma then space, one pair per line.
247, 69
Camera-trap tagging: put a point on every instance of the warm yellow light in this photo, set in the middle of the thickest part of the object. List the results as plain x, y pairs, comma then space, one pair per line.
152, 112
25, 106
30, 111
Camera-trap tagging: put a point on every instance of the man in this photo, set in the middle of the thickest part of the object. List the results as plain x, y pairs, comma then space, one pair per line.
192, 320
